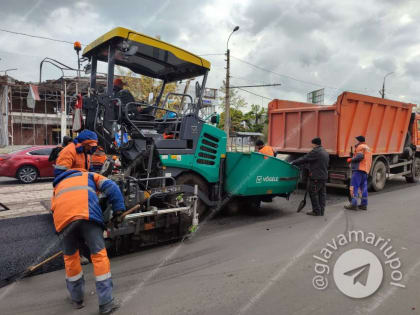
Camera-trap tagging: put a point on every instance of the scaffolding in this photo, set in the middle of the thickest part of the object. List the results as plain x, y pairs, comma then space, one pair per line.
40, 125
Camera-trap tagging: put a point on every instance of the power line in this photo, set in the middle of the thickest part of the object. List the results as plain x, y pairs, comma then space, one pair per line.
37, 36
283, 75
203, 55
258, 85
255, 94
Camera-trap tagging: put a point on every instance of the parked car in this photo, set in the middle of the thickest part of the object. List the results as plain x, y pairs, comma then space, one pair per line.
28, 164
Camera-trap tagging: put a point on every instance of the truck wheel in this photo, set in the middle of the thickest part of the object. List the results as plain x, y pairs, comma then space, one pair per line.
414, 177
378, 176
192, 179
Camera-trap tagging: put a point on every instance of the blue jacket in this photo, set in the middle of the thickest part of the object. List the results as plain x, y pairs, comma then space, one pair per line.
75, 197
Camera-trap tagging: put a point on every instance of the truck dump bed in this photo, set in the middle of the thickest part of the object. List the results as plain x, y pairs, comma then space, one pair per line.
383, 122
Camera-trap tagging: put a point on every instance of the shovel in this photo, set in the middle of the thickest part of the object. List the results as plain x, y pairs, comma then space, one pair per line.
28, 271
303, 202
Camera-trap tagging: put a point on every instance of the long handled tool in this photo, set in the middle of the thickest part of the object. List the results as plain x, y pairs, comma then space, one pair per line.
121, 217
133, 209
303, 202
28, 271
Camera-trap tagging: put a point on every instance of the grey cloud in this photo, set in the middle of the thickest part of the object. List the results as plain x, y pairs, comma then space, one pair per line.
344, 44
412, 68
386, 64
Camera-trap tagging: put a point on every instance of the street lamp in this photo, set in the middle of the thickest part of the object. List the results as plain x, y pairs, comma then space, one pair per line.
227, 92
382, 92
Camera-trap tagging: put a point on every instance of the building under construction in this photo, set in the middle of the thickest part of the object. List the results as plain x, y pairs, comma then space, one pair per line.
31, 113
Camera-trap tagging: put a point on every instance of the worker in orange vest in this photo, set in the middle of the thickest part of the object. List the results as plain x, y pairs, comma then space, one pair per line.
360, 165
77, 153
78, 216
97, 160
264, 149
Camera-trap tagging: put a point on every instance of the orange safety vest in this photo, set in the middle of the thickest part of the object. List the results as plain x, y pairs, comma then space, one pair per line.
74, 198
70, 159
98, 158
366, 163
267, 150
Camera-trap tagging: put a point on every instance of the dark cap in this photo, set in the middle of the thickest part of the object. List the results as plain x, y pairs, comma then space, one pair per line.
259, 142
316, 141
361, 139
66, 140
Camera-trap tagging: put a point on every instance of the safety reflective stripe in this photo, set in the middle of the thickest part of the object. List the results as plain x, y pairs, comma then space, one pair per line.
81, 187
76, 277
103, 277
60, 167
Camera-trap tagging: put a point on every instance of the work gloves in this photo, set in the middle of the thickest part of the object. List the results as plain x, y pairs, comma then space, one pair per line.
117, 219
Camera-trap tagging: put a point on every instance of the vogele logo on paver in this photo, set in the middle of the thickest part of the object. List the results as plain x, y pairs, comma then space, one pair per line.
357, 272
266, 179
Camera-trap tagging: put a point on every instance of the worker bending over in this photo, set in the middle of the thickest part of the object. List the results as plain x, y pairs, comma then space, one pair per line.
77, 153
360, 166
78, 216
264, 149
317, 161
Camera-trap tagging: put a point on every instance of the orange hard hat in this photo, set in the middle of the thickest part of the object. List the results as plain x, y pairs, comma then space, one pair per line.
118, 82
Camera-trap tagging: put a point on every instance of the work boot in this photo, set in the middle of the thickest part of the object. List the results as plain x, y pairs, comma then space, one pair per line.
109, 307
362, 207
350, 207
77, 305
312, 213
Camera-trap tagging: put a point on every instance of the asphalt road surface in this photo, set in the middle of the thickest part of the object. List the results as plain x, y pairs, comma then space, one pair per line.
258, 263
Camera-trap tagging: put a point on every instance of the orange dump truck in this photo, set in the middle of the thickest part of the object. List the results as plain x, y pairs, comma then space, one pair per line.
391, 128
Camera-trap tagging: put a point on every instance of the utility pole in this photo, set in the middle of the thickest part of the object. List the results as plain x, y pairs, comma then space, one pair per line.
382, 92
227, 92
227, 95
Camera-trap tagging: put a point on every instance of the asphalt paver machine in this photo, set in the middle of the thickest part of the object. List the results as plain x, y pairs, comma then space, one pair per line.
174, 165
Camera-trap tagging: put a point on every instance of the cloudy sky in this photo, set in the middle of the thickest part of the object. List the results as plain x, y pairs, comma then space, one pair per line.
302, 44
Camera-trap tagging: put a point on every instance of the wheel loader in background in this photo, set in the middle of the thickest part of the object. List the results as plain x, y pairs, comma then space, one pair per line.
159, 173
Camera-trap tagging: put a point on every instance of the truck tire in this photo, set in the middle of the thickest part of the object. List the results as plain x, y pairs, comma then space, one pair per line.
414, 177
378, 176
193, 179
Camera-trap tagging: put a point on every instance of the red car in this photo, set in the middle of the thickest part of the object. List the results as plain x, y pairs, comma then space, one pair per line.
27, 164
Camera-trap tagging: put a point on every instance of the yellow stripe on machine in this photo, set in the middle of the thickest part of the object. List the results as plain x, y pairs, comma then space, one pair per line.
146, 40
